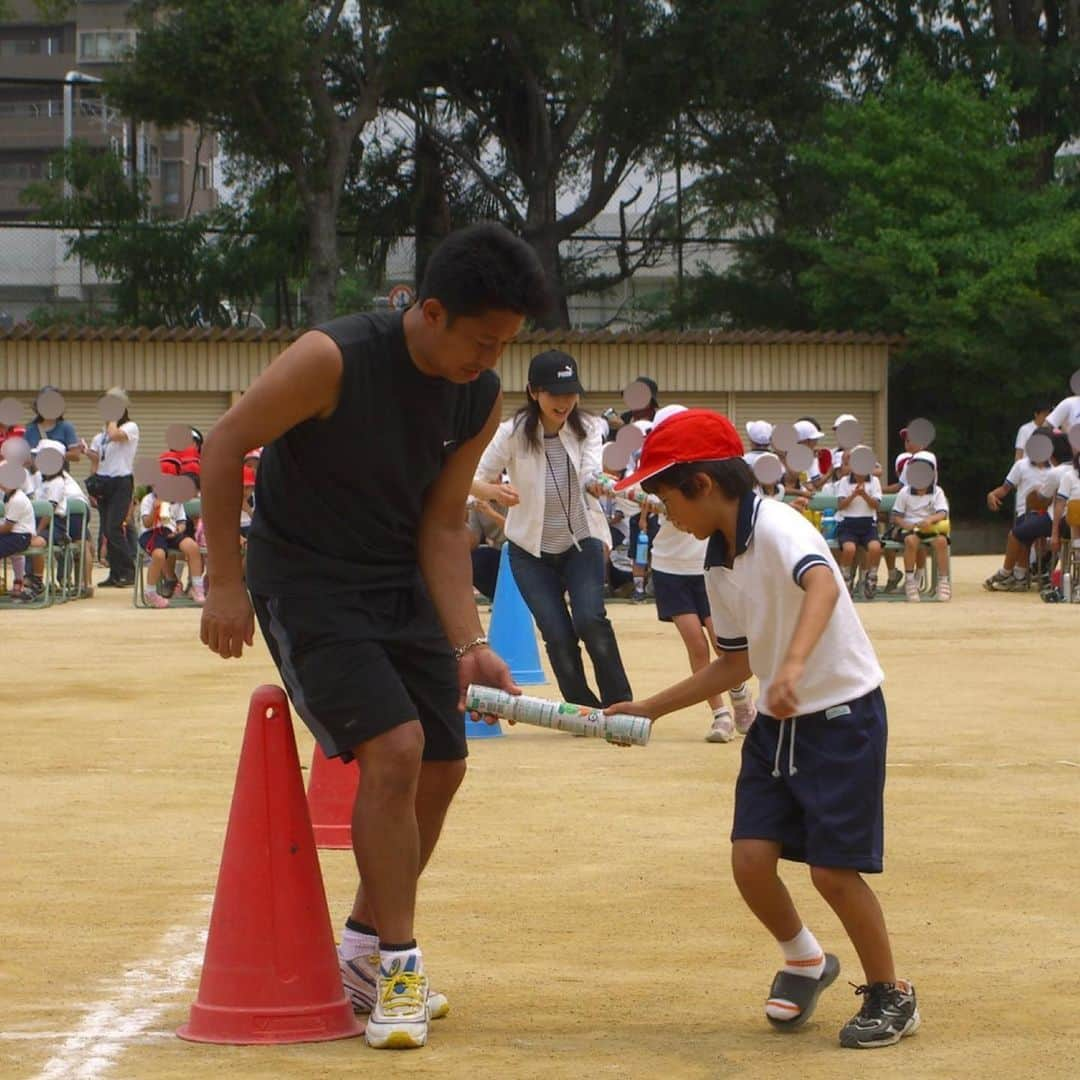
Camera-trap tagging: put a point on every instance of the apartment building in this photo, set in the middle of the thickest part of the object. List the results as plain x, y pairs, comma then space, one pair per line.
180, 164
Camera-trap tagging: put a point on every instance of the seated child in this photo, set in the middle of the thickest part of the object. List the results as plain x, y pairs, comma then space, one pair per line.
18, 533
1031, 522
922, 513
857, 500
165, 537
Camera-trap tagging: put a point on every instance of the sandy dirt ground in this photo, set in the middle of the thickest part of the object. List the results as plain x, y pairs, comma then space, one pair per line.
580, 912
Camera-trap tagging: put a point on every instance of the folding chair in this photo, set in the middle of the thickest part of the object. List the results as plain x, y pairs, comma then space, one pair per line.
73, 554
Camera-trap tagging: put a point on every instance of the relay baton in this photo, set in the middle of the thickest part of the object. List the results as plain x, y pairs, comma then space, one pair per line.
607, 485
620, 729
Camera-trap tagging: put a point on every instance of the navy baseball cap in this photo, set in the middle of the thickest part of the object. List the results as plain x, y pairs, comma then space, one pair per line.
556, 372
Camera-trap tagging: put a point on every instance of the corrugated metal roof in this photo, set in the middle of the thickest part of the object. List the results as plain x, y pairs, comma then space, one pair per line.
25, 331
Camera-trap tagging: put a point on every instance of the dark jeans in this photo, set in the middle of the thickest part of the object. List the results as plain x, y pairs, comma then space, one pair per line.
543, 582
114, 506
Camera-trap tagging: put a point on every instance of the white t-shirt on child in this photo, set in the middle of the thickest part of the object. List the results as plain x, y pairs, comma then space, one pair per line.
677, 552
1065, 413
1025, 477
911, 507
859, 507
176, 512
54, 491
19, 510
1023, 433
1069, 485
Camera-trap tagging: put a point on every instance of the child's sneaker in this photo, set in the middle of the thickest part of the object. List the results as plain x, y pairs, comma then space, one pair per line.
895, 577
156, 600
944, 591
399, 1015
745, 710
911, 590
888, 1013
996, 579
869, 586
359, 976
723, 726
198, 593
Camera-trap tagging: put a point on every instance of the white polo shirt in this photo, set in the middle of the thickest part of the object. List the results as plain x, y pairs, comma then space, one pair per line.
911, 507
1025, 477
757, 602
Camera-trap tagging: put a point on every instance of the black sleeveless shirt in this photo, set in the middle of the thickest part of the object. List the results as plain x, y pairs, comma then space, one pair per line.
338, 501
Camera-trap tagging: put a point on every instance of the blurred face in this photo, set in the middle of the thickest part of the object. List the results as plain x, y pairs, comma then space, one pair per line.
554, 408
462, 349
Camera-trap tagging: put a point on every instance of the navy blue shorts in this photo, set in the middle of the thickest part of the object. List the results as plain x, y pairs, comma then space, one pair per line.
153, 539
680, 594
860, 531
1031, 527
829, 809
13, 544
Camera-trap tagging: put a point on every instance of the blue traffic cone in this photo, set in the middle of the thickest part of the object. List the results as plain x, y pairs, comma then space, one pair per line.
511, 630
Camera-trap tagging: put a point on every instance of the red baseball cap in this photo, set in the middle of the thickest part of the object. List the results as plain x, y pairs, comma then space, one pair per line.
693, 435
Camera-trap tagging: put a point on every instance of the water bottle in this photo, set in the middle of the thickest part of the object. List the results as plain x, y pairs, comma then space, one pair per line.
1066, 585
641, 552
828, 524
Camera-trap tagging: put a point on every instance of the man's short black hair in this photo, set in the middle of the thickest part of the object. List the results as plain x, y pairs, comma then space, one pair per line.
731, 475
485, 267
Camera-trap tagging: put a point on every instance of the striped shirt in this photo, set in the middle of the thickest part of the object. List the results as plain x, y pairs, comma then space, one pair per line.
564, 504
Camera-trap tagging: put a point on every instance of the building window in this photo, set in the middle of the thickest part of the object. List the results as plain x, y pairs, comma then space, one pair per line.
105, 46
171, 135
20, 170
202, 177
170, 183
154, 162
48, 45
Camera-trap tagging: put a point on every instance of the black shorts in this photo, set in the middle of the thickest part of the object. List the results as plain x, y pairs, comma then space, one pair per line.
829, 810
356, 665
860, 531
680, 594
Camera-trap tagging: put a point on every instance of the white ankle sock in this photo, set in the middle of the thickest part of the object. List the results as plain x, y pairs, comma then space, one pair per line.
802, 956
404, 956
354, 944
738, 693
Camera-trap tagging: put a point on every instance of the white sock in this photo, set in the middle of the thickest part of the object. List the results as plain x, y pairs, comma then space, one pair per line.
355, 944
409, 959
1019, 573
910, 576
739, 693
802, 956
943, 579
196, 580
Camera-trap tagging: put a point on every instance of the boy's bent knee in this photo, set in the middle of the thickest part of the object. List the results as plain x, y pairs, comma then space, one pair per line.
752, 858
834, 881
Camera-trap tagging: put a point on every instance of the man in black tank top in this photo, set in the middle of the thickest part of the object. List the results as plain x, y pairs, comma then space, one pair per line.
360, 573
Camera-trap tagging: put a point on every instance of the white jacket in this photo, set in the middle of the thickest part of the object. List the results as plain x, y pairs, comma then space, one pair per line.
526, 465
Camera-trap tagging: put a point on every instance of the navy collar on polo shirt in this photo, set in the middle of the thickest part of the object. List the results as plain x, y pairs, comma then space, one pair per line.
716, 553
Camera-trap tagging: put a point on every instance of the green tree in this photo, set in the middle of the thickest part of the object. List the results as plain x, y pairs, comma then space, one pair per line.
756, 77
942, 235
203, 268
286, 84
552, 104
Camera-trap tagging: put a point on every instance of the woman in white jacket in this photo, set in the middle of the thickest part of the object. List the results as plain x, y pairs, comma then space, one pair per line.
557, 532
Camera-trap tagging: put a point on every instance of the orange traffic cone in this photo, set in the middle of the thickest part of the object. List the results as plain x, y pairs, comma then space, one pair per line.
330, 795
270, 974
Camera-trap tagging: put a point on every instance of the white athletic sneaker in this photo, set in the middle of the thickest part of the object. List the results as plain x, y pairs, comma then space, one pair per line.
359, 977
745, 710
911, 589
723, 726
399, 1018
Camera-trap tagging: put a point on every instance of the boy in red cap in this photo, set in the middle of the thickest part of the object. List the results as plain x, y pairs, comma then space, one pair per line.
780, 611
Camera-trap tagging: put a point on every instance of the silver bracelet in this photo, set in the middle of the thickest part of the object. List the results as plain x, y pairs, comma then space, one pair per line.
478, 643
